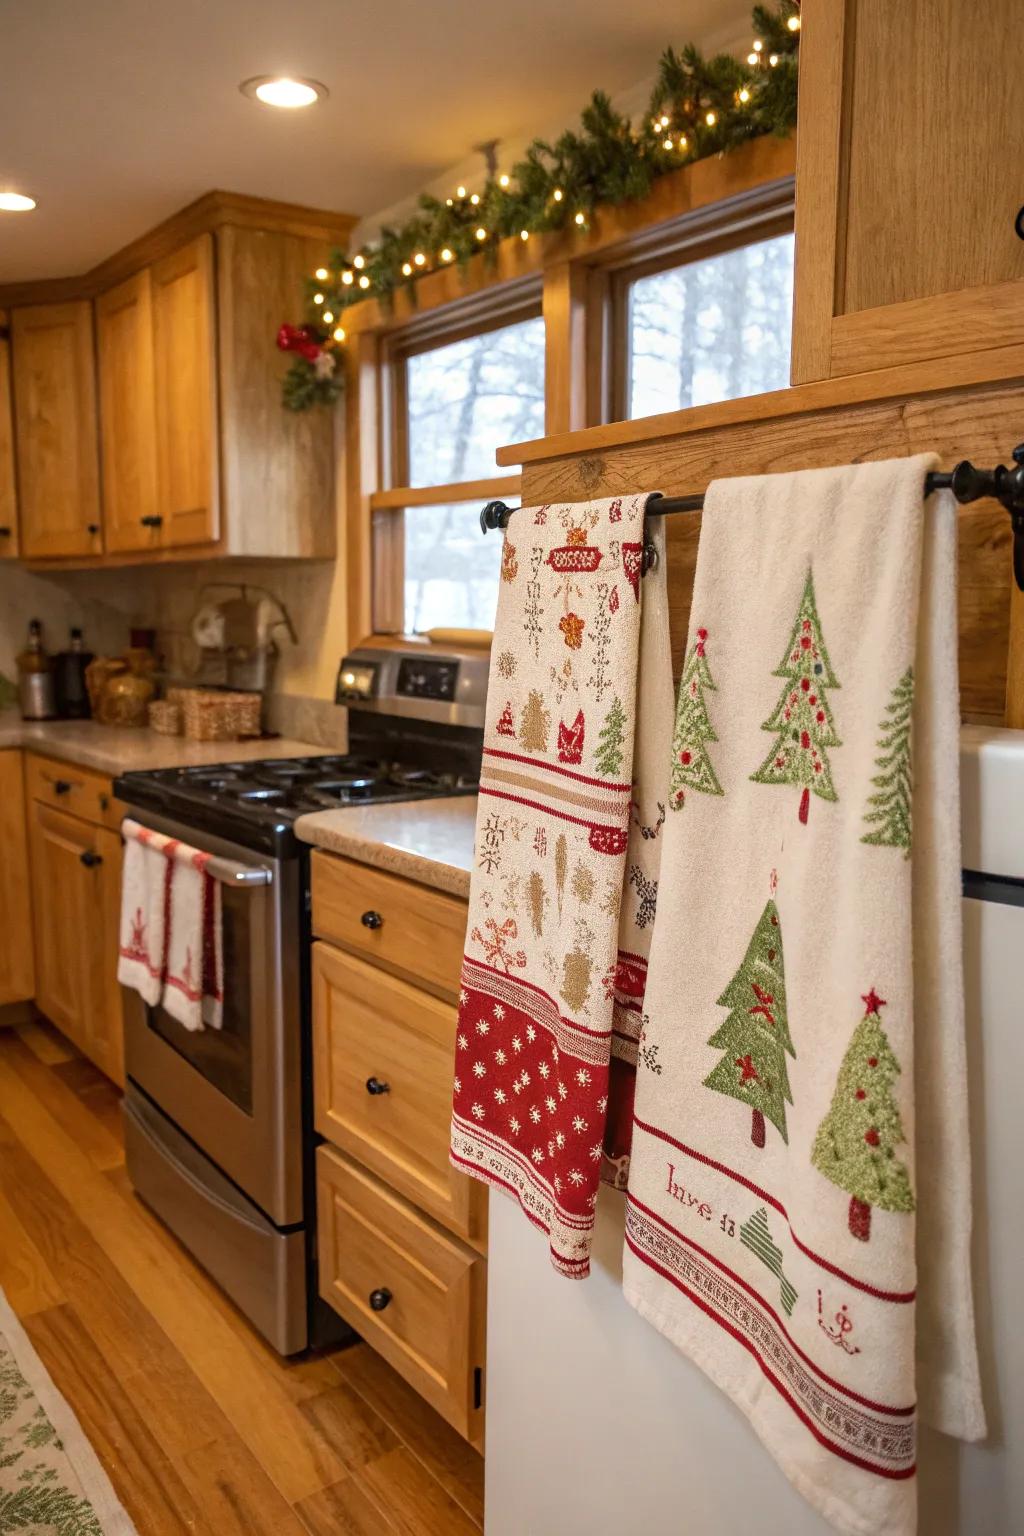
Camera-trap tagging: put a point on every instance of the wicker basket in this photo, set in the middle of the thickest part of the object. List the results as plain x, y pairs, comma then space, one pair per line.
212, 716
165, 717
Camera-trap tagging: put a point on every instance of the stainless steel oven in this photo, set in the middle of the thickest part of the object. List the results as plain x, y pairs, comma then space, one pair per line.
214, 1118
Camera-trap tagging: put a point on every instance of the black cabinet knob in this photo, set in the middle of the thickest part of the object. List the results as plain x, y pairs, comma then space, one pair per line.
375, 1086
1018, 223
153, 520
90, 859
5, 532
380, 1298
372, 920
92, 528
61, 787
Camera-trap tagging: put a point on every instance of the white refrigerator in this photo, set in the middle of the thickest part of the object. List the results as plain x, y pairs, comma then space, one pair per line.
596, 1426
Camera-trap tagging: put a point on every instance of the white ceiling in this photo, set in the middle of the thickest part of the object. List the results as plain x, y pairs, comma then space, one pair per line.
114, 114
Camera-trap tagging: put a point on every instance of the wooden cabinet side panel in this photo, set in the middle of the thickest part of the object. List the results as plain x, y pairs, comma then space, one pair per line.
17, 972
124, 337
8, 482
930, 209
105, 1029
185, 366
55, 430
278, 466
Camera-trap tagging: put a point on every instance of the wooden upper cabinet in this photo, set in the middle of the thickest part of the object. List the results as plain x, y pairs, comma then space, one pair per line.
124, 338
185, 361
907, 186
8, 484
55, 429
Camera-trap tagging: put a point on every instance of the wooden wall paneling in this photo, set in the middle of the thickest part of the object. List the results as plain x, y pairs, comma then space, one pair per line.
17, 974
823, 38
55, 430
976, 423
186, 394
277, 466
124, 339
8, 481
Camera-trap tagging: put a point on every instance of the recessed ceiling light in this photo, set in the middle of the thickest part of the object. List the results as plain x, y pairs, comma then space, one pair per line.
16, 202
283, 91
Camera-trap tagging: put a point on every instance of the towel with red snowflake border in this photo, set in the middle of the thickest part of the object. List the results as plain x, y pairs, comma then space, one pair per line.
800, 1132
566, 865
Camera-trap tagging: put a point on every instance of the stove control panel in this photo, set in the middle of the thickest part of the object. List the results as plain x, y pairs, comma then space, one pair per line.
423, 678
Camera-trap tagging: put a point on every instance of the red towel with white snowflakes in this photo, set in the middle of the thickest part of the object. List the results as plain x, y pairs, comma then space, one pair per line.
566, 864
798, 1213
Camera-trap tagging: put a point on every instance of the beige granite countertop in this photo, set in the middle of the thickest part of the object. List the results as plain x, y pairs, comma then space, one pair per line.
122, 749
426, 840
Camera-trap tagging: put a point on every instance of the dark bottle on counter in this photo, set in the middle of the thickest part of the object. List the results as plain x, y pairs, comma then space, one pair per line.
35, 678
72, 696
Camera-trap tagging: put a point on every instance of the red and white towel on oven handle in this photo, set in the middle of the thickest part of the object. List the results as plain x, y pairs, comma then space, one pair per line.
171, 948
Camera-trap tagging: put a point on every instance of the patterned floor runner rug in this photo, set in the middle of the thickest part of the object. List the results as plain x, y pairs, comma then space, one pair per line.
51, 1482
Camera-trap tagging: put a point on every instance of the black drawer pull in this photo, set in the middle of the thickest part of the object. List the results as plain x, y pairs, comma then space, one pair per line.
61, 787
372, 920
92, 528
380, 1298
375, 1086
90, 859
5, 532
152, 520
1018, 224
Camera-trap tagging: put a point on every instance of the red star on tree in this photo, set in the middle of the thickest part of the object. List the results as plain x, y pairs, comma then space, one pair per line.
872, 1002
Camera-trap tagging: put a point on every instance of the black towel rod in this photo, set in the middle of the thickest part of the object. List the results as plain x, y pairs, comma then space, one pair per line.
967, 484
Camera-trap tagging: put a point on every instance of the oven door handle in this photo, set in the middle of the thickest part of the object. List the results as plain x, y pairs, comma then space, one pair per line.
241, 875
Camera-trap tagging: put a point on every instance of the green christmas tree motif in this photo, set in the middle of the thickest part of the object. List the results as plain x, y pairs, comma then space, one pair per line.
755, 1234
855, 1141
889, 812
802, 719
755, 1037
608, 758
691, 765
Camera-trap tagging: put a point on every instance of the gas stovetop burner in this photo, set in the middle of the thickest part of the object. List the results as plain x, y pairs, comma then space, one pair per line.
263, 799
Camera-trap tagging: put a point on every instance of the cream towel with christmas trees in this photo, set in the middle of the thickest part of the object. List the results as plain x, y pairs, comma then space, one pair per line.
568, 835
800, 1170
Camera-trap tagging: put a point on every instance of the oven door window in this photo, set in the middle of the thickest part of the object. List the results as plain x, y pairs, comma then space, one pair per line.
224, 1056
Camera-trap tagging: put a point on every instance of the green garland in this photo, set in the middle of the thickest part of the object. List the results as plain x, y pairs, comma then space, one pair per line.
698, 107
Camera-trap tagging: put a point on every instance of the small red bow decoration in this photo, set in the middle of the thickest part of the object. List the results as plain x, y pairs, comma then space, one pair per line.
300, 339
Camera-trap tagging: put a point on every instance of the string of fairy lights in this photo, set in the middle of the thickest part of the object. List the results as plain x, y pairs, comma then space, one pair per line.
698, 107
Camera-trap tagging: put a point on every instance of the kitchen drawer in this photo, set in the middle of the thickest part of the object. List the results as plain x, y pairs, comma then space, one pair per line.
415, 1294
76, 790
383, 1057
402, 925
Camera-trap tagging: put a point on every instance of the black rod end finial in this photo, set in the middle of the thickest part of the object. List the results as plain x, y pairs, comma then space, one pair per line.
494, 515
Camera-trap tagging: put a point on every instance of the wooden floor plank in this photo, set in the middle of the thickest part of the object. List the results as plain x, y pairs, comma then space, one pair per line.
236, 1496
284, 1442
46, 1042
445, 1454
345, 1509
91, 1136
143, 1476
351, 1425
25, 1277
415, 1503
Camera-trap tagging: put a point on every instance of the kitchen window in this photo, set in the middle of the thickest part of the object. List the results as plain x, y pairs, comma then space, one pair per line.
454, 400
712, 327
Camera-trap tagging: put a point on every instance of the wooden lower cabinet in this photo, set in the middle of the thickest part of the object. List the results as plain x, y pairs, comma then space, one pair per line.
76, 883
414, 1292
16, 969
383, 1053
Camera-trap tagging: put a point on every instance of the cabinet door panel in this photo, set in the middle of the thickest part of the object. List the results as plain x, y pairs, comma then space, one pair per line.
64, 901
124, 335
8, 491
55, 430
185, 352
16, 972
